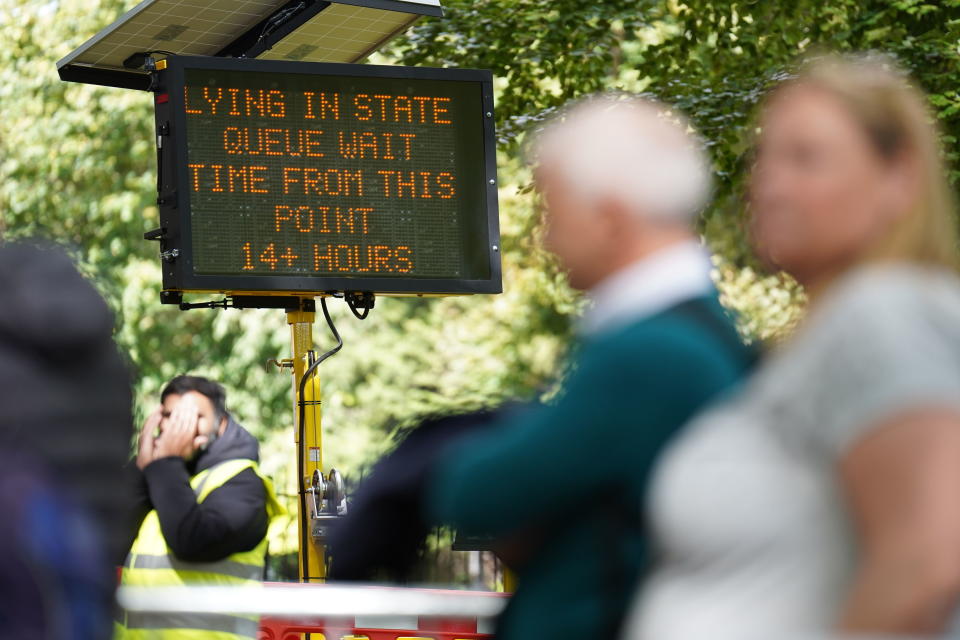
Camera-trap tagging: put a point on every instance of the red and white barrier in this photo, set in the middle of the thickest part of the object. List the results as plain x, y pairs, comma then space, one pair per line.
330, 612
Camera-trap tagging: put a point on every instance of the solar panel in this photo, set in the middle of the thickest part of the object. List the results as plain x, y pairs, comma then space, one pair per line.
314, 31
346, 34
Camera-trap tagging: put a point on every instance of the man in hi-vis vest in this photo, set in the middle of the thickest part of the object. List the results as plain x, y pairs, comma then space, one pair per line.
202, 508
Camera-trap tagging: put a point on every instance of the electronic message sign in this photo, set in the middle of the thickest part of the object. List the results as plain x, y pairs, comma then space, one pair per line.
304, 177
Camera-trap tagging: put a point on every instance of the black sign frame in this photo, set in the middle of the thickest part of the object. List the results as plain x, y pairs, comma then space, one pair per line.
173, 199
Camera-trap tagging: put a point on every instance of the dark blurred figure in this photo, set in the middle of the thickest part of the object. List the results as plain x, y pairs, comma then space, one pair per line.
65, 432
560, 486
391, 500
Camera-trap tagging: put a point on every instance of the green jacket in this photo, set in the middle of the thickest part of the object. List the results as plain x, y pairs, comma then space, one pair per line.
576, 471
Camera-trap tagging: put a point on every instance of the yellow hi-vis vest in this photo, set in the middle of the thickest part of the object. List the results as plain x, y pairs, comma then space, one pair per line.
151, 563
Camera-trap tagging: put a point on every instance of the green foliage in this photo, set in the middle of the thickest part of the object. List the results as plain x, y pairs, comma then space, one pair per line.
77, 166
711, 59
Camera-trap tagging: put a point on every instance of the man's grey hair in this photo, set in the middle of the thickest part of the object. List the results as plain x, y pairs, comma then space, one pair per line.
629, 149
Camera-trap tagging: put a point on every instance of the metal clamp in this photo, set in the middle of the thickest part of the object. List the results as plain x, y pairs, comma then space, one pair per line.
286, 363
327, 502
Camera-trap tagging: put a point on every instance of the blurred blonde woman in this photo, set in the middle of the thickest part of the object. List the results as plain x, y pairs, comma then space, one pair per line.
824, 498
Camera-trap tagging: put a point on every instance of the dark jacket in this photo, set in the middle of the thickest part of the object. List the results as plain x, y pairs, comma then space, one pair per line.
390, 499
233, 518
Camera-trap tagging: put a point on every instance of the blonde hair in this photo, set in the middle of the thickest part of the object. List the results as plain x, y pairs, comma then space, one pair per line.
895, 117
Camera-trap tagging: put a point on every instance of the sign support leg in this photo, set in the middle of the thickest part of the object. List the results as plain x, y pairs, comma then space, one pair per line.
509, 580
312, 566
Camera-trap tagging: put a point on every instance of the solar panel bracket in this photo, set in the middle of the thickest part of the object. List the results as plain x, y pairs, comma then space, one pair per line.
268, 32
105, 77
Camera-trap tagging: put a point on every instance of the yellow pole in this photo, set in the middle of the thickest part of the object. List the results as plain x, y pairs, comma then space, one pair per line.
312, 568
509, 580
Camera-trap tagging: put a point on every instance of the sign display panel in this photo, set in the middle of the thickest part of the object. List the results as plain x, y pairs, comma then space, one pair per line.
299, 177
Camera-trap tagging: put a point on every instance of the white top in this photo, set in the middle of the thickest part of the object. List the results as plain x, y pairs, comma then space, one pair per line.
659, 281
747, 518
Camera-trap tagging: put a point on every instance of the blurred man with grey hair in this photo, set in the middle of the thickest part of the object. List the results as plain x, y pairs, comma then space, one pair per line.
622, 181
560, 487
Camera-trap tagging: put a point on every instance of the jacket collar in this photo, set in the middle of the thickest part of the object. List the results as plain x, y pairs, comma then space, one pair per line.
236, 442
648, 286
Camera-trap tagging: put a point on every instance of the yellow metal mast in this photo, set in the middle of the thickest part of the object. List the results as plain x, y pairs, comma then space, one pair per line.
312, 567
509, 580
